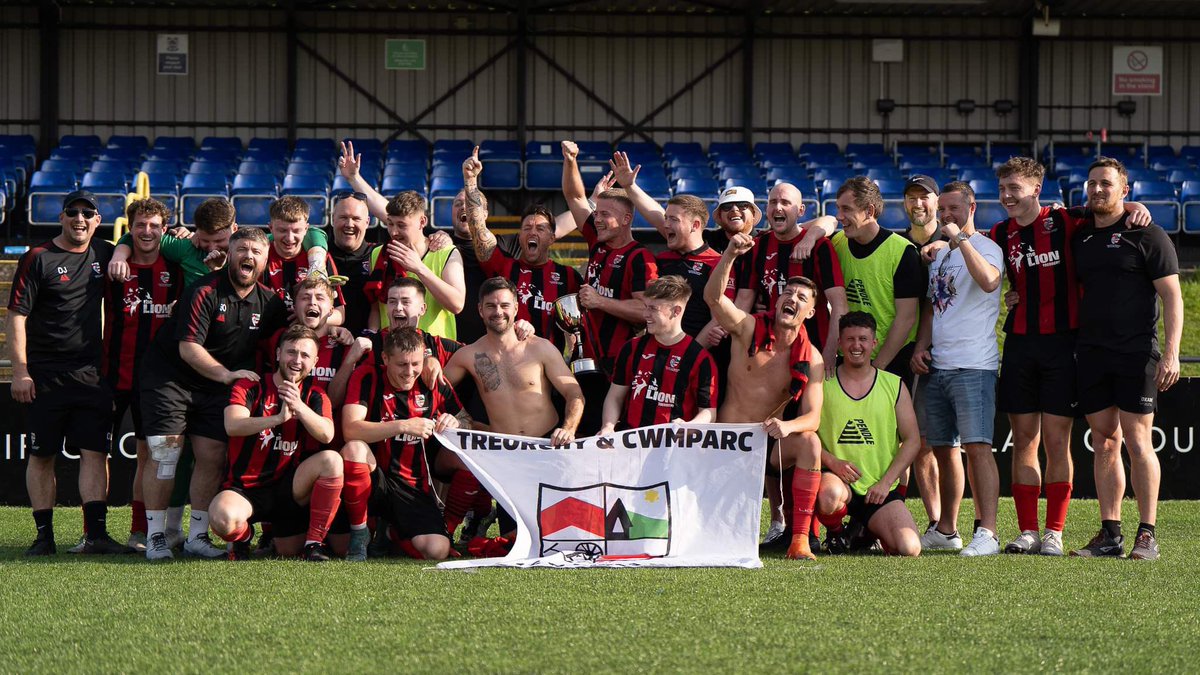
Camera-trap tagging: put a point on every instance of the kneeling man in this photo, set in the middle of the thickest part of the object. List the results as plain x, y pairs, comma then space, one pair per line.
278, 470
869, 436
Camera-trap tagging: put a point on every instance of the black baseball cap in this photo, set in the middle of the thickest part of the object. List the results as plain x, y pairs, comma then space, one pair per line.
81, 196
923, 181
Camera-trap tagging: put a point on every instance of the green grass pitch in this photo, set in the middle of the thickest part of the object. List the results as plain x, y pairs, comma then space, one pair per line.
938, 613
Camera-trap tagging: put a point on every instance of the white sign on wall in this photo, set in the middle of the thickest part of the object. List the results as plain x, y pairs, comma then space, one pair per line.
172, 54
1137, 71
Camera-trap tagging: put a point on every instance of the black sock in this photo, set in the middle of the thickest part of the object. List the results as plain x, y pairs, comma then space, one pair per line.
932, 523
94, 517
977, 522
44, 520
1145, 527
1111, 527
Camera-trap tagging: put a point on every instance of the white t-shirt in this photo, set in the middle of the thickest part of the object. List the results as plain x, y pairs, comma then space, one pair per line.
964, 316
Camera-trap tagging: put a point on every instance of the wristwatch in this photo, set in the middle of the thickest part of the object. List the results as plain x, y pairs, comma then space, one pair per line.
962, 236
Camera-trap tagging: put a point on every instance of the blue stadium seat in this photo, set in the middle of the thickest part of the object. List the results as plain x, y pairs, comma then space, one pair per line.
1191, 153
1052, 192
984, 174
985, 189
165, 188
891, 188
682, 172
394, 185
168, 155
837, 175
1189, 197
137, 144
1152, 189
681, 161
889, 174
442, 191
454, 146
809, 148
315, 191
543, 174
306, 168
261, 168
195, 189
961, 164
90, 141
252, 195
76, 153
341, 187
740, 172
1162, 200
227, 143
1137, 173
1167, 165
124, 168
265, 154
255, 184
894, 217
787, 174
73, 166
409, 170
46, 192
182, 146
204, 166
988, 212
110, 189
1180, 176
366, 145
700, 187
446, 170
324, 146
640, 150
408, 148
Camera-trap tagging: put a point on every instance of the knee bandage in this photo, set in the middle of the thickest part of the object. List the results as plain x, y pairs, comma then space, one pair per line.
165, 450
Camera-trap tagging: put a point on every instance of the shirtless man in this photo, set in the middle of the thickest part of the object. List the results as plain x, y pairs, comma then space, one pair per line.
771, 370
515, 376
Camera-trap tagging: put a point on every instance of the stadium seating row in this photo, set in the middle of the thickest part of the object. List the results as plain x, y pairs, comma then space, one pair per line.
183, 173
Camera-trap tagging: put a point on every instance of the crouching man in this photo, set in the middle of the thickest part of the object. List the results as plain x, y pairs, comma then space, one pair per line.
278, 471
869, 438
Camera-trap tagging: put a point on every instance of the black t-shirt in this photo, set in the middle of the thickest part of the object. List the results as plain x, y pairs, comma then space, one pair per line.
229, 327
470, 325
61, 294
1117, 267
356, 265
910, 278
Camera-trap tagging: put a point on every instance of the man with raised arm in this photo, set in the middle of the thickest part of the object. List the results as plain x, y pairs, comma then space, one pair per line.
772, 370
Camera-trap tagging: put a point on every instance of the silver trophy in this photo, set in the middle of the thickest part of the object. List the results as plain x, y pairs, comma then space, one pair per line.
570, 319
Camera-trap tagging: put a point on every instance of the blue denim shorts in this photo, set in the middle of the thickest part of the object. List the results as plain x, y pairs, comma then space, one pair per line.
960, 407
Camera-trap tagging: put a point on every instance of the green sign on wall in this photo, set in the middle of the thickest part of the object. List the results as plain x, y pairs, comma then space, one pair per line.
404, 54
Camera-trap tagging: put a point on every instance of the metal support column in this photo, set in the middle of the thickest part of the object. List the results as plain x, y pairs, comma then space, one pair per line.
748, 75
522, 71
49, 18
293, 86
1027, 82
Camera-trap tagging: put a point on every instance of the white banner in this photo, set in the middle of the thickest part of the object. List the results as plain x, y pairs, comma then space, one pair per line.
661, 496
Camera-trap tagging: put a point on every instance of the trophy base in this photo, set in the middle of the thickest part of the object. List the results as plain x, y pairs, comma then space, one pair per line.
583, 366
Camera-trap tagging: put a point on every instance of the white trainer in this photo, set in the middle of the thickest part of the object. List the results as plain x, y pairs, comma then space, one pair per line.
174, 538
983, 543
1028, 542
774, 532
202, 547
157, 549
933, 540
1051, 543
137, 541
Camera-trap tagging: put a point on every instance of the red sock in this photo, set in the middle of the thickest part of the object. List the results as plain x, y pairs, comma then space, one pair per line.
482, 505
1058, 497
788, 505
1025, 498
833, 521
805, 483
814, 527
356, 490
464, 488
242, 533
138, 523
323, 506
411, 551
902, 490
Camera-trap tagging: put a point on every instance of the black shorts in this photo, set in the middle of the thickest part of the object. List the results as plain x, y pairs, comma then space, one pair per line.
410, 511
1108, 379
1037, 374
170, 409
860, 510
74, 407
275, 504
127, 401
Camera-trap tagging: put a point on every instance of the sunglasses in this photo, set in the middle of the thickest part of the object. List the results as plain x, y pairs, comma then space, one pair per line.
360, 196
729, 206
87, 213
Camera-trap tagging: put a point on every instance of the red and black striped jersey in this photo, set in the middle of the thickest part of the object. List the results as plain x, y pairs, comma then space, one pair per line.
133, 312
436, 346
1040, 268
402, 456
664, 382
770, 265
615, 273
330, 354
800, 355
538, 286
265, 458
282, 275
695, 267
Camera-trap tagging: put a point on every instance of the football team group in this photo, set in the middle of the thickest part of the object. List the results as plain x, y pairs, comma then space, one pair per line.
293, 379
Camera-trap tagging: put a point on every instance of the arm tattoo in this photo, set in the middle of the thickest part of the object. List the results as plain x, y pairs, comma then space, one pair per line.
487, 372
464, 419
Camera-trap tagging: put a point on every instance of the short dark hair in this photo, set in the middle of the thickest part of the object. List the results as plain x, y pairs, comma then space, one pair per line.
494, 285
214, 214
865, 193
1111, 163
252, 233
298, 331
803, 282
856, 319
147, 207
405, 339
1022, 167
538, 209
407, 203
961, 187
672, 288
408, 282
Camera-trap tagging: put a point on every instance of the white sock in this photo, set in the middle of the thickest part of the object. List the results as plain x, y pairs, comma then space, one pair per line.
156, 522
199, 524
363, 526
175, 518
